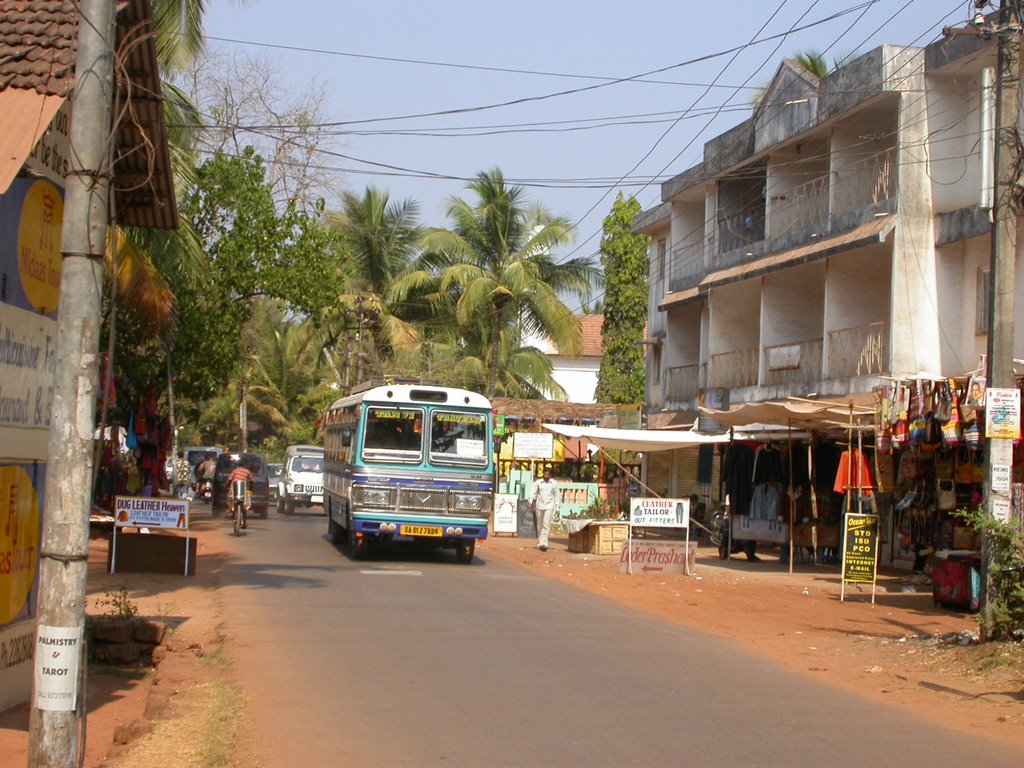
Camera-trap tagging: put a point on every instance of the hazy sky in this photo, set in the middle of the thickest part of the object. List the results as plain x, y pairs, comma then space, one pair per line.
427, 94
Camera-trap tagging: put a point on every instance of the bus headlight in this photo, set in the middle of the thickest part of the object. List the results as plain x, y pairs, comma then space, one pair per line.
368, 496
468, 502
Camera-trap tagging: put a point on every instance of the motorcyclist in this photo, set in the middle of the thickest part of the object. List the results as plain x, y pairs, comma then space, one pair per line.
242, 472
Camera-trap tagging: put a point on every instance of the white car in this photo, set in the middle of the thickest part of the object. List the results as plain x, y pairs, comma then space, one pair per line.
302, 483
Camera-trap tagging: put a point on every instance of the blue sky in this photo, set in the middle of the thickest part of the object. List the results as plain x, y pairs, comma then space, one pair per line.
572, 150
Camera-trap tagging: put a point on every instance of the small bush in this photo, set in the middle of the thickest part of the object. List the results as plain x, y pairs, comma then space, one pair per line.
1003, 615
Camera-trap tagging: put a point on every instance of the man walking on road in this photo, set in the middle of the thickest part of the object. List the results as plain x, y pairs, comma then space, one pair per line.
545, 500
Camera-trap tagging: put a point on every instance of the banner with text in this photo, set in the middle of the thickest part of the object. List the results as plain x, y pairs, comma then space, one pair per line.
144, 512
648, 556
659, 513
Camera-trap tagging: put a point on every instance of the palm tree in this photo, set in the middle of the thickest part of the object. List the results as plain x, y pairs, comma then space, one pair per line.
287, 390
495, 272
382, 237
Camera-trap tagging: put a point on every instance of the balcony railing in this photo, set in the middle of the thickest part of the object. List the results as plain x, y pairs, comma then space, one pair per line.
734, 369
798, 362
684, 382
802, 207
741, 229
859, 351
687, 265
865, 183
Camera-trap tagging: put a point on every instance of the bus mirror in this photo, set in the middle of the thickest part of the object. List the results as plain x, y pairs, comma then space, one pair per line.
346, 437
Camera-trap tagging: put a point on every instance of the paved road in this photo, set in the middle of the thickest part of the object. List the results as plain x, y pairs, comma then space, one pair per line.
419, 661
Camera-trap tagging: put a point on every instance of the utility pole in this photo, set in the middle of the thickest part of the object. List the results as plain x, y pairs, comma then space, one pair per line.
999, 362
55, 730
999, 457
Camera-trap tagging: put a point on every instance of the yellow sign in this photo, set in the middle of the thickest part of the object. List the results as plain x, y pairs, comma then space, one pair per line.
19, 540
39, 257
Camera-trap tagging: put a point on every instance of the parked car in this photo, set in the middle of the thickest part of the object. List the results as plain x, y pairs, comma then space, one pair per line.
302, 483
276, 470
257, 464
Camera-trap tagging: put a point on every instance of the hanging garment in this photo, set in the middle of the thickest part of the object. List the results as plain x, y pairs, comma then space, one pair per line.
853, 472
737, 470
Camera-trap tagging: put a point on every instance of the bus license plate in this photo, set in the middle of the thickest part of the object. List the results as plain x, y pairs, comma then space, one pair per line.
419, 530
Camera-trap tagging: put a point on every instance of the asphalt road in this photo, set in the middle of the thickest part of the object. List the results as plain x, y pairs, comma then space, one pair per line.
414, 660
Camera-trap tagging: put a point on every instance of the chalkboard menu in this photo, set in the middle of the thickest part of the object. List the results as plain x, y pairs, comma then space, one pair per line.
525, 519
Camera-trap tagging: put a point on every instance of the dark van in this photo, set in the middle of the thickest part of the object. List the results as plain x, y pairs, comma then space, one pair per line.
257, 464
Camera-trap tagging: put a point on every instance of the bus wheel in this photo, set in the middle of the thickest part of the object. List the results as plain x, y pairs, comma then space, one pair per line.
464, 549
335, 531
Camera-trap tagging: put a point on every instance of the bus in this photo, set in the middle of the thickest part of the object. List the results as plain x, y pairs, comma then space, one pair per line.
409, 462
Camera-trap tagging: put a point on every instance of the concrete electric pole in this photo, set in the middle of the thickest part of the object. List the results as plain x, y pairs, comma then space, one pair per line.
1000, 374
55, 731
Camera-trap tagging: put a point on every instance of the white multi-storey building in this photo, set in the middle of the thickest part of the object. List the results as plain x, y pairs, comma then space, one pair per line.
838, 236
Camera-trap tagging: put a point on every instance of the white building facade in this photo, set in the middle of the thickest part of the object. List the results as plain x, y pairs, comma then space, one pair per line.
837, 237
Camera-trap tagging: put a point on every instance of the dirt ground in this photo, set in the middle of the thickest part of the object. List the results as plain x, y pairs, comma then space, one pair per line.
892, 651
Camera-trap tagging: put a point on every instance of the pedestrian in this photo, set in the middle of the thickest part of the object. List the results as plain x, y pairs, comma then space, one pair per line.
545, 501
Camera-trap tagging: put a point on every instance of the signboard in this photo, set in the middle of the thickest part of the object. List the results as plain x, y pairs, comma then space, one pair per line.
1002, 413
526, 520
745, 528
146, 512
533, 445
630, 416
860, 550
51, 156
659, 513
59, 651
646, 556
505, 512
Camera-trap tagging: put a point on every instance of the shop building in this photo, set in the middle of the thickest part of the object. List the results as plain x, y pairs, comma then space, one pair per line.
37, 57
835, 245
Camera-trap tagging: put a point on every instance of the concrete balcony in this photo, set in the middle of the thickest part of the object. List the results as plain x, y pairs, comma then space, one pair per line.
687, 266
859, 351
803, 207
735, 369
684, 382
864, 183
794, 363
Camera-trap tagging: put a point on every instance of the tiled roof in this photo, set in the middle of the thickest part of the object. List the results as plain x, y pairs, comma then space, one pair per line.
37, 45
591, 327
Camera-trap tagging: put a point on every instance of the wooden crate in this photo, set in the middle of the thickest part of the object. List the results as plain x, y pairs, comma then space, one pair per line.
600, 538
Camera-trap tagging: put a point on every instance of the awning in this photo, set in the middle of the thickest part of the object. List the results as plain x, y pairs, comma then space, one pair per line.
636, 439
870, 233
679, 297
794, 414
24, 117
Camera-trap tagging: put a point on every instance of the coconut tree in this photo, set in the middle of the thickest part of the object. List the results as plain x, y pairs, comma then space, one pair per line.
495, 272
381, 236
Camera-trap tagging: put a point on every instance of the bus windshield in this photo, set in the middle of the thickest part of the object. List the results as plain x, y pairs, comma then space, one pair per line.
458, 438
393, 434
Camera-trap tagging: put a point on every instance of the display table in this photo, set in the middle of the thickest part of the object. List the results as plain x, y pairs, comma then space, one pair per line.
597, 537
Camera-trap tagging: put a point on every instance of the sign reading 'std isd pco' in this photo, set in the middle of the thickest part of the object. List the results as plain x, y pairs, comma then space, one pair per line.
860, 551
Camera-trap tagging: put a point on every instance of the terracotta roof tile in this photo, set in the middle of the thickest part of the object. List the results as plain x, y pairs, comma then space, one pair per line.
37, 45
591, 327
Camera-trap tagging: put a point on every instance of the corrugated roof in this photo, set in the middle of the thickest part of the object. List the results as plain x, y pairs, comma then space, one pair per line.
38, 42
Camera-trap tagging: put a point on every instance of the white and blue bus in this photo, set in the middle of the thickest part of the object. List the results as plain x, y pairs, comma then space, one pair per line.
409, 462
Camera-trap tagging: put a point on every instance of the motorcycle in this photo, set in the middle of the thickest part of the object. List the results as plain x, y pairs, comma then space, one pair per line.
720, 532
206, 490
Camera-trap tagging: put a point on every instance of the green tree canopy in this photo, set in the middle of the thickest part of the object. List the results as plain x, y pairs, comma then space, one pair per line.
622, 376
494, 271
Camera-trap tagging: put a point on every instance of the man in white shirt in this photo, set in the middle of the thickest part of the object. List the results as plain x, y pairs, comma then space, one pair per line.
545, 501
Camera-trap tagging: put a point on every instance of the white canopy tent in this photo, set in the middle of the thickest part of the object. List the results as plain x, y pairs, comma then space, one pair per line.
636, 439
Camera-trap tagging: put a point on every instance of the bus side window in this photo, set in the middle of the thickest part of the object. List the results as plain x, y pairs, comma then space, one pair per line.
346, 437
